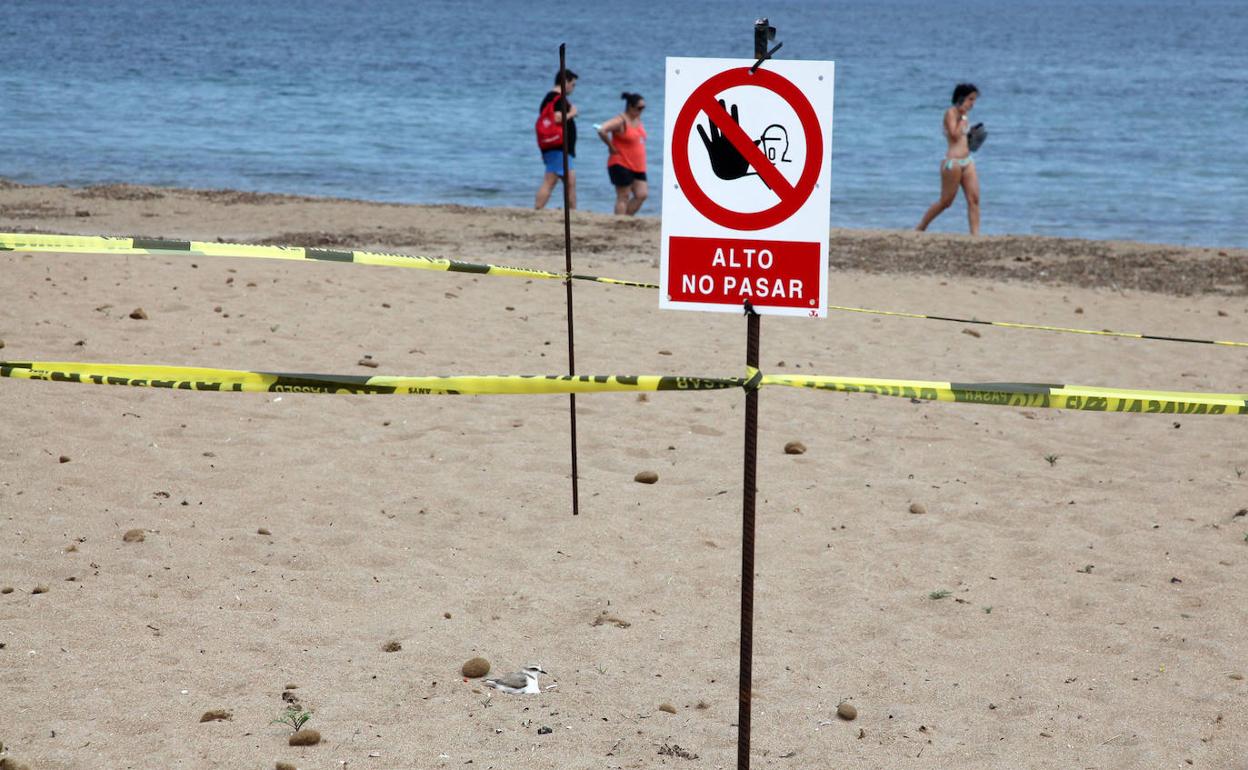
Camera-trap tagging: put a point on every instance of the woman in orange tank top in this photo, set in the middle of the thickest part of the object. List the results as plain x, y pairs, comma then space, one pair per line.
625, 136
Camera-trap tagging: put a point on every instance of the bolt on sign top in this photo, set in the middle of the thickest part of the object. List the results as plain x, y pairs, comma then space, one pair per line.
747, 178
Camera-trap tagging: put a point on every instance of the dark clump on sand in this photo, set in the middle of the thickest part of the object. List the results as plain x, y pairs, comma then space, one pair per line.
305, 737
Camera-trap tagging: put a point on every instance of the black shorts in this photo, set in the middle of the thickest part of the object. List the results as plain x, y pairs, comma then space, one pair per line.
622, 177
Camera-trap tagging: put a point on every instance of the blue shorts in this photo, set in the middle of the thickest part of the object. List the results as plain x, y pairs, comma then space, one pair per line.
554, 162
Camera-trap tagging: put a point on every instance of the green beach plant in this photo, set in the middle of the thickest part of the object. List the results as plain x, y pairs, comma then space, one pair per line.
293, 717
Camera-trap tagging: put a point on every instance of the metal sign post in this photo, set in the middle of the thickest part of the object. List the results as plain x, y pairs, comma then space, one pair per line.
567, 252
762, 34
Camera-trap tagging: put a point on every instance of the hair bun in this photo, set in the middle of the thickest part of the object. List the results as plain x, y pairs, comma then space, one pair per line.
625, 95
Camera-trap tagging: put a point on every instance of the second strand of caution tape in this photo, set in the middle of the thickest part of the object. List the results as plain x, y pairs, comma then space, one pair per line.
118, 245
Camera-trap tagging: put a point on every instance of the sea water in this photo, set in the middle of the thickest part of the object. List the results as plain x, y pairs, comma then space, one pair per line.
1107, 118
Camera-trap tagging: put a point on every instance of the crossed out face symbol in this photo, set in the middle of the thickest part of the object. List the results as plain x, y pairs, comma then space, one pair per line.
727, 162
775, 144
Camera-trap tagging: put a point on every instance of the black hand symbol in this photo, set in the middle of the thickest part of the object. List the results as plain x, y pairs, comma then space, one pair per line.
726, 160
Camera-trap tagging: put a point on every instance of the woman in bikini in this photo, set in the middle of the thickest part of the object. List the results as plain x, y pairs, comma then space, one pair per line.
958, 167
625, 137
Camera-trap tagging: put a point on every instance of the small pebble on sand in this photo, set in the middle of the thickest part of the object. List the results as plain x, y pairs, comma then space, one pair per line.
669, 708
134, 536
847, 712
475, 667
646, 477
391, 646
285, 766
305, 737
917, 508
216, 715
39, 589
6, 590
263, 531
63, 459
970, 332
138, 314
368, 361
795, 448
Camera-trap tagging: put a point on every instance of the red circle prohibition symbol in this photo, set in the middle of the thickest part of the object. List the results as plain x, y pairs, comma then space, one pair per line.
703, 99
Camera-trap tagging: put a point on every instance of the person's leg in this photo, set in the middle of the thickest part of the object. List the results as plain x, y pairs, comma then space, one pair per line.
949, 179
543, 192
641, 190
970, 191
621, 200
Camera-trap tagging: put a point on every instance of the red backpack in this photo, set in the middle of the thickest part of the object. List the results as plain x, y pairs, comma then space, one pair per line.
549, 131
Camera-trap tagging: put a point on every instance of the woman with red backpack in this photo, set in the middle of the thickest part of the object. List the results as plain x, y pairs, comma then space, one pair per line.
550, 136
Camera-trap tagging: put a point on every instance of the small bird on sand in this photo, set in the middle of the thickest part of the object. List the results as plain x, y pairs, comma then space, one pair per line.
518, 682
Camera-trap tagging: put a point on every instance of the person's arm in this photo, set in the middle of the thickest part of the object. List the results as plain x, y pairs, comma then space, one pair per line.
607, 129
572, 111
953, 120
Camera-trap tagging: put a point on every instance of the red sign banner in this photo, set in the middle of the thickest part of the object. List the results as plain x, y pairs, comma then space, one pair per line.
732, 270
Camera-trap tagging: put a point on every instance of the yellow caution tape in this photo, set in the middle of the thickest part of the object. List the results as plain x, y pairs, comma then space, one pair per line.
89, 244
94, 244
1039, 327
233, 380
1029, 395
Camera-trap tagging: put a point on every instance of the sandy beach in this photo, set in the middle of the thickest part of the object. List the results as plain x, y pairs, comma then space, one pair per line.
1070, 593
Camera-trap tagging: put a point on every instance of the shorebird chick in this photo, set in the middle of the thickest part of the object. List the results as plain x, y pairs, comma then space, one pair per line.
518, 682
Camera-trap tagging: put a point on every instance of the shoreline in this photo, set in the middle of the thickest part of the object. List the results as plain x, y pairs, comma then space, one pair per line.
1110, 264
